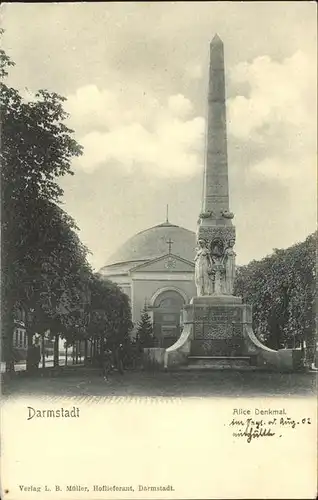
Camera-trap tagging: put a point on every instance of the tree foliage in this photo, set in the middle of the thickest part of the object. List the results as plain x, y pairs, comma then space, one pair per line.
110, 312
44, 266
41, 253
281, 288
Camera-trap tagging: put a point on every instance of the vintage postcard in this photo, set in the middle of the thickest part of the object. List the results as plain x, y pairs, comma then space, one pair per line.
158, 250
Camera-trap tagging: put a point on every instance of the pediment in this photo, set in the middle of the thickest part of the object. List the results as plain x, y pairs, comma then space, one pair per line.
166, 263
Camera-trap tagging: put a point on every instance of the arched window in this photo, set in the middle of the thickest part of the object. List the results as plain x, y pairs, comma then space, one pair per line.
167, 312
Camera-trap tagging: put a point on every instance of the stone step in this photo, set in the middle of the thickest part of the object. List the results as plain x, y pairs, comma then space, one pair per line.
193, 357
202, 368
219, 363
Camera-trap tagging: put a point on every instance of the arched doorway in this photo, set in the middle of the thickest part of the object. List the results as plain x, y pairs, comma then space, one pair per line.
167, 309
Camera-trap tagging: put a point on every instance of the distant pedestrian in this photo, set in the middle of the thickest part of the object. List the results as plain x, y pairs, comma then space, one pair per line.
131, 355
107, 364
37, 356
33, 358
134, 356
120, 359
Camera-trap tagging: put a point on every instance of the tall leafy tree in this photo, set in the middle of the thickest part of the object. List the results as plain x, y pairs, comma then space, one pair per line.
110, 313
281, 288
36, 149
60, 274
44, 266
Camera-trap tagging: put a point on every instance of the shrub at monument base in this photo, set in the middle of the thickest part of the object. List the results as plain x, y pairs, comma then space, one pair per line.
144, 334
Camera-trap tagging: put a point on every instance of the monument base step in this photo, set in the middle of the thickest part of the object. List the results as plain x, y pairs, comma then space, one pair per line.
219, 363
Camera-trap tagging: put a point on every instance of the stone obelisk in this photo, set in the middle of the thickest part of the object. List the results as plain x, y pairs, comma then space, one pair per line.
216, 195
216, 184
215, 221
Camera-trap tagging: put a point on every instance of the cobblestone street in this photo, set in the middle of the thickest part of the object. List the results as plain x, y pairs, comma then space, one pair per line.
88, 385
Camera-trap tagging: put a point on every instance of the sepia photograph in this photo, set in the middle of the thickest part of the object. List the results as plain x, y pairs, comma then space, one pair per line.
158, 250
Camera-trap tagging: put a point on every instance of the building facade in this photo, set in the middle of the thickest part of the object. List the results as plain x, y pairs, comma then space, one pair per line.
155, 269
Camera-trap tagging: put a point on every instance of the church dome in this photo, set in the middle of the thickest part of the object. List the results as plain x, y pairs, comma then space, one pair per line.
152, 243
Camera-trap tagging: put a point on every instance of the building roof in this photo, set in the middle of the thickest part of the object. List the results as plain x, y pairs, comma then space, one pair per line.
150, 244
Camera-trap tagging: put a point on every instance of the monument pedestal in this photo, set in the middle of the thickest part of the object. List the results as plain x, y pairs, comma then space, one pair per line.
213, 335
217, 326
217, 334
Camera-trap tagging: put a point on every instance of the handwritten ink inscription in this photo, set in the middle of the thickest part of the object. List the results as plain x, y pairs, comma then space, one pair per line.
254, 428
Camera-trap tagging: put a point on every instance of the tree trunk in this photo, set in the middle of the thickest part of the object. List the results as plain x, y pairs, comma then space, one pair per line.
102, 344
8, 329
76, 352
30, 353
310, 346
43, 349
315, 357
56, 350
85, 350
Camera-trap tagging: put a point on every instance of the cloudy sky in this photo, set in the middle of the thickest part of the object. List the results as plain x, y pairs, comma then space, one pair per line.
135, 75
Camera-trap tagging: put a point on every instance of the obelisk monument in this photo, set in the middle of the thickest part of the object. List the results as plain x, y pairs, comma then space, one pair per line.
216, 195
217, 325
216, 232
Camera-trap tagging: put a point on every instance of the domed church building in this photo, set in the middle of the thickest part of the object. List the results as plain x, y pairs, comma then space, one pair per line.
155, 269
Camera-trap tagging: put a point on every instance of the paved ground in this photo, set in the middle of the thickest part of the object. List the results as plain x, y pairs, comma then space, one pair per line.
88, 385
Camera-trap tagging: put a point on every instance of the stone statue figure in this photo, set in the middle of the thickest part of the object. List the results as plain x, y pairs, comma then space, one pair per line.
217, 252
203, 263
218, 277
229, 263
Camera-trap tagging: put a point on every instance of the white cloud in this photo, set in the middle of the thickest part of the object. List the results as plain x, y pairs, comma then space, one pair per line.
171, 150
179, 105
281, 93
134, 129
279, 115
292, 174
